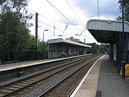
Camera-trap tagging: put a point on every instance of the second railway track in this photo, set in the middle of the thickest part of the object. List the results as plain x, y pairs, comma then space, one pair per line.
40, 84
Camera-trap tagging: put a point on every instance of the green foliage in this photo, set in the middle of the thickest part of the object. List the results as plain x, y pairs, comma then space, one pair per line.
16, 43
98, 49
14, 32
126, 9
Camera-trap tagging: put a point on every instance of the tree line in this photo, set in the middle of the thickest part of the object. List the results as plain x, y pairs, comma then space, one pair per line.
16, 42
99, 48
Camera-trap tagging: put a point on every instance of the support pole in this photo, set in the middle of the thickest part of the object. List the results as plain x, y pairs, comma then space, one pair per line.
36, 33
123, 43
98, 7
54, 31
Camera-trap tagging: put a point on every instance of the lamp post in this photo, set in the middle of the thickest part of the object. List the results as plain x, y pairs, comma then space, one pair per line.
84, 40
43, 35
36, 33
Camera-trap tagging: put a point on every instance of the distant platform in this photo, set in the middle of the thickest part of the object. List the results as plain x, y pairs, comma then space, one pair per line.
6, 67
59, 47
102, 80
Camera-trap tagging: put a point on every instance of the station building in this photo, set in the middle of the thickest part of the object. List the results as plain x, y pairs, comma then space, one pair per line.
111, 32
63, 48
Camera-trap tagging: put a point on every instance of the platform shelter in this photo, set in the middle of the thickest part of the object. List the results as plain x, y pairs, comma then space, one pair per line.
63, 48
110, 32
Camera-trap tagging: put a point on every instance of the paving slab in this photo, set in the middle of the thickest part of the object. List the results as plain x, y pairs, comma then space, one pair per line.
103, 81
110, 83
89, 85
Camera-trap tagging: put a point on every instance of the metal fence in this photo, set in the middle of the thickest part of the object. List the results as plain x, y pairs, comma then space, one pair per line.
17, 56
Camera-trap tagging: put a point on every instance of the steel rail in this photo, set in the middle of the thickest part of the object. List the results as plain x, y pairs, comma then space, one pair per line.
87, 62
22, 84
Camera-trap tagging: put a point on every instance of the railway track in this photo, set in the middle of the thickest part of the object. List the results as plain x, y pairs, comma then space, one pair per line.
40, 84
68, 85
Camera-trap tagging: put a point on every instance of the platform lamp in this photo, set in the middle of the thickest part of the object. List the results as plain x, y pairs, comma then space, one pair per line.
43, 35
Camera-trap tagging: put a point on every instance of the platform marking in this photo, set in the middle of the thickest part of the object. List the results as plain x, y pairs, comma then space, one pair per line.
75, 91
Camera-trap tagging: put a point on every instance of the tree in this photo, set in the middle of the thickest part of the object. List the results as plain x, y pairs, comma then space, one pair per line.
14, 31
125, 4
98, 49
16, 43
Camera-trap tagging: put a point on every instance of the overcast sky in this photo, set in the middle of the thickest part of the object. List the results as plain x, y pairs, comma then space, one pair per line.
78, 12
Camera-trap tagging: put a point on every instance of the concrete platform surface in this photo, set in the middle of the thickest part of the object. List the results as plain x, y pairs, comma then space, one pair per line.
110, 82
22, 64
102, 80
88, 86
5, 67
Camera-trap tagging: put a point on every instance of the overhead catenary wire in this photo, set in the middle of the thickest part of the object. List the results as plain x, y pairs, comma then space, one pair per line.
52, 26
82, 31
59, 11
50, 20
64, 29
61, 14
49, 26
68, 3
75, 12
40, 15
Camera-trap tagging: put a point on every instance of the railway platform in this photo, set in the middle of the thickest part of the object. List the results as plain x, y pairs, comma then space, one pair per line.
6, 67
17, 71
102, 80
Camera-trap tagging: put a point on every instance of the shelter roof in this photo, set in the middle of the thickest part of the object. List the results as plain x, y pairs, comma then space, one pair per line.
105, 30
60, 40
